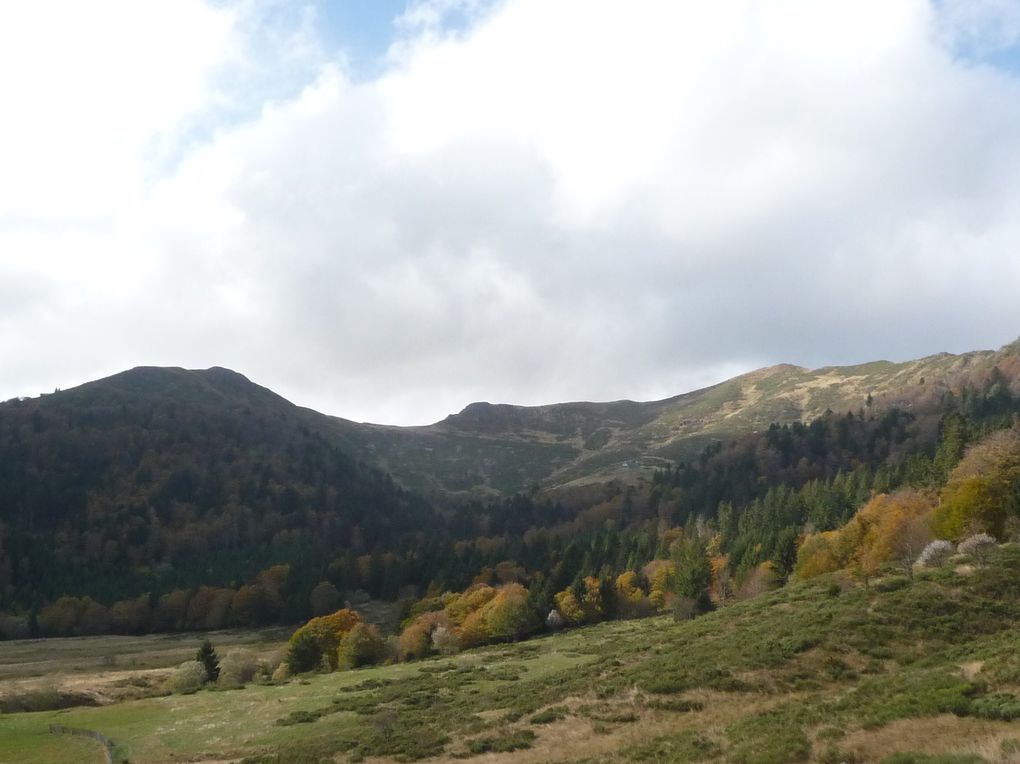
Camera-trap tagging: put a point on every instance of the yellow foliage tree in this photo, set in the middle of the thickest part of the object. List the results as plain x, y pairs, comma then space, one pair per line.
660, 574
630, 597
891, 528
473, 598
591, 600
473, 631
327, 631
981, 489
507, 615
817, 555
569, 607
722, 584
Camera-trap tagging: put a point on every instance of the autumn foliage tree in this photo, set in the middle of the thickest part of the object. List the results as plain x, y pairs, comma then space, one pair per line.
569, 607
508, 615
891, 528
319, 639
362, 645
983, 489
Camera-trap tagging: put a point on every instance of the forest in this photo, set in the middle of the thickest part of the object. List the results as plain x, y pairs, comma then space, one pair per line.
160, 505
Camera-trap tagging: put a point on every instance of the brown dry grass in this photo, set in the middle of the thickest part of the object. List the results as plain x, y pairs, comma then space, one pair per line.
945, 734
575, 737
113, 668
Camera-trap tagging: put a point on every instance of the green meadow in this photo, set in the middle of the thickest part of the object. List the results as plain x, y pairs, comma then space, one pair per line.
902, 671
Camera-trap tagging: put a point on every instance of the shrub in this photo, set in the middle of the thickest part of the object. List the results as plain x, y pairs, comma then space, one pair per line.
238, 667
554, 620
1000, 706
511, 741
48, 698
977, 546
187, 678
549, 715
282, 673
303, 654
268, 664
936, 554
444, 641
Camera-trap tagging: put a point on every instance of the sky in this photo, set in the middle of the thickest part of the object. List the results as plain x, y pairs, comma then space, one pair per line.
386, 210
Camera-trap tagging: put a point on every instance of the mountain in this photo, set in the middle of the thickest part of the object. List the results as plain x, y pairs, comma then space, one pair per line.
156, 478
499, 449
161, 481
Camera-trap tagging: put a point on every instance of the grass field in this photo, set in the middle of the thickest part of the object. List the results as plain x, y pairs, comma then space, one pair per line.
923, 671
53, 673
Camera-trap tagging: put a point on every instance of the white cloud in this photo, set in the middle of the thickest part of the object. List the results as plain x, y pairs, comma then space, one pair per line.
581, 199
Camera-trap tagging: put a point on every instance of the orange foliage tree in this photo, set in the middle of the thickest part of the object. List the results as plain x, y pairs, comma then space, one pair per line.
891, 528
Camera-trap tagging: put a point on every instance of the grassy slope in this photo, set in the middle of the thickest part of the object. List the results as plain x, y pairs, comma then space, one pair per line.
813, 672
505, 448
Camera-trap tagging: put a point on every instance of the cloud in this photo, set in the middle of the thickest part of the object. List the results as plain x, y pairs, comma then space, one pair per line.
536, 203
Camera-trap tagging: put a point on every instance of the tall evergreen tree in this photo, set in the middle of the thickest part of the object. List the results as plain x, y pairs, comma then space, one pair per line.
209, 660
692, 574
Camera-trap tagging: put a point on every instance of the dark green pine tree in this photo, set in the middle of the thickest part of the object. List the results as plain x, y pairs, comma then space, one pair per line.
207, 657
693, 575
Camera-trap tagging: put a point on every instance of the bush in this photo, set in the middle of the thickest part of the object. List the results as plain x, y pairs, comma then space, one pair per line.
549, 715
44, 699
303, 654
999, 706
361, 646
936, 554
187, 678
554, 620
507, 743
445, 641
267, 665
977, 546
282, 673
237, 668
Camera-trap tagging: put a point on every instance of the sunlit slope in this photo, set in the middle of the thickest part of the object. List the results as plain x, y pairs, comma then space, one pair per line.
823, 671
501, 448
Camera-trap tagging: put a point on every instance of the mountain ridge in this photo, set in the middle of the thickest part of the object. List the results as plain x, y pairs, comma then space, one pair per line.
499, 448
491, 449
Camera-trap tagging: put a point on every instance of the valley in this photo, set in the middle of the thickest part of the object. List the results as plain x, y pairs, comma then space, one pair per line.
738, 574
822, 671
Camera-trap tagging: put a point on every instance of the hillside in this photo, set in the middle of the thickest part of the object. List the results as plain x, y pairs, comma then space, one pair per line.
165, 499
161, 478
502, 448
824, 671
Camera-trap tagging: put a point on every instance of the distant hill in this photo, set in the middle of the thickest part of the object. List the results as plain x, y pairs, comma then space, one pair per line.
495, 449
